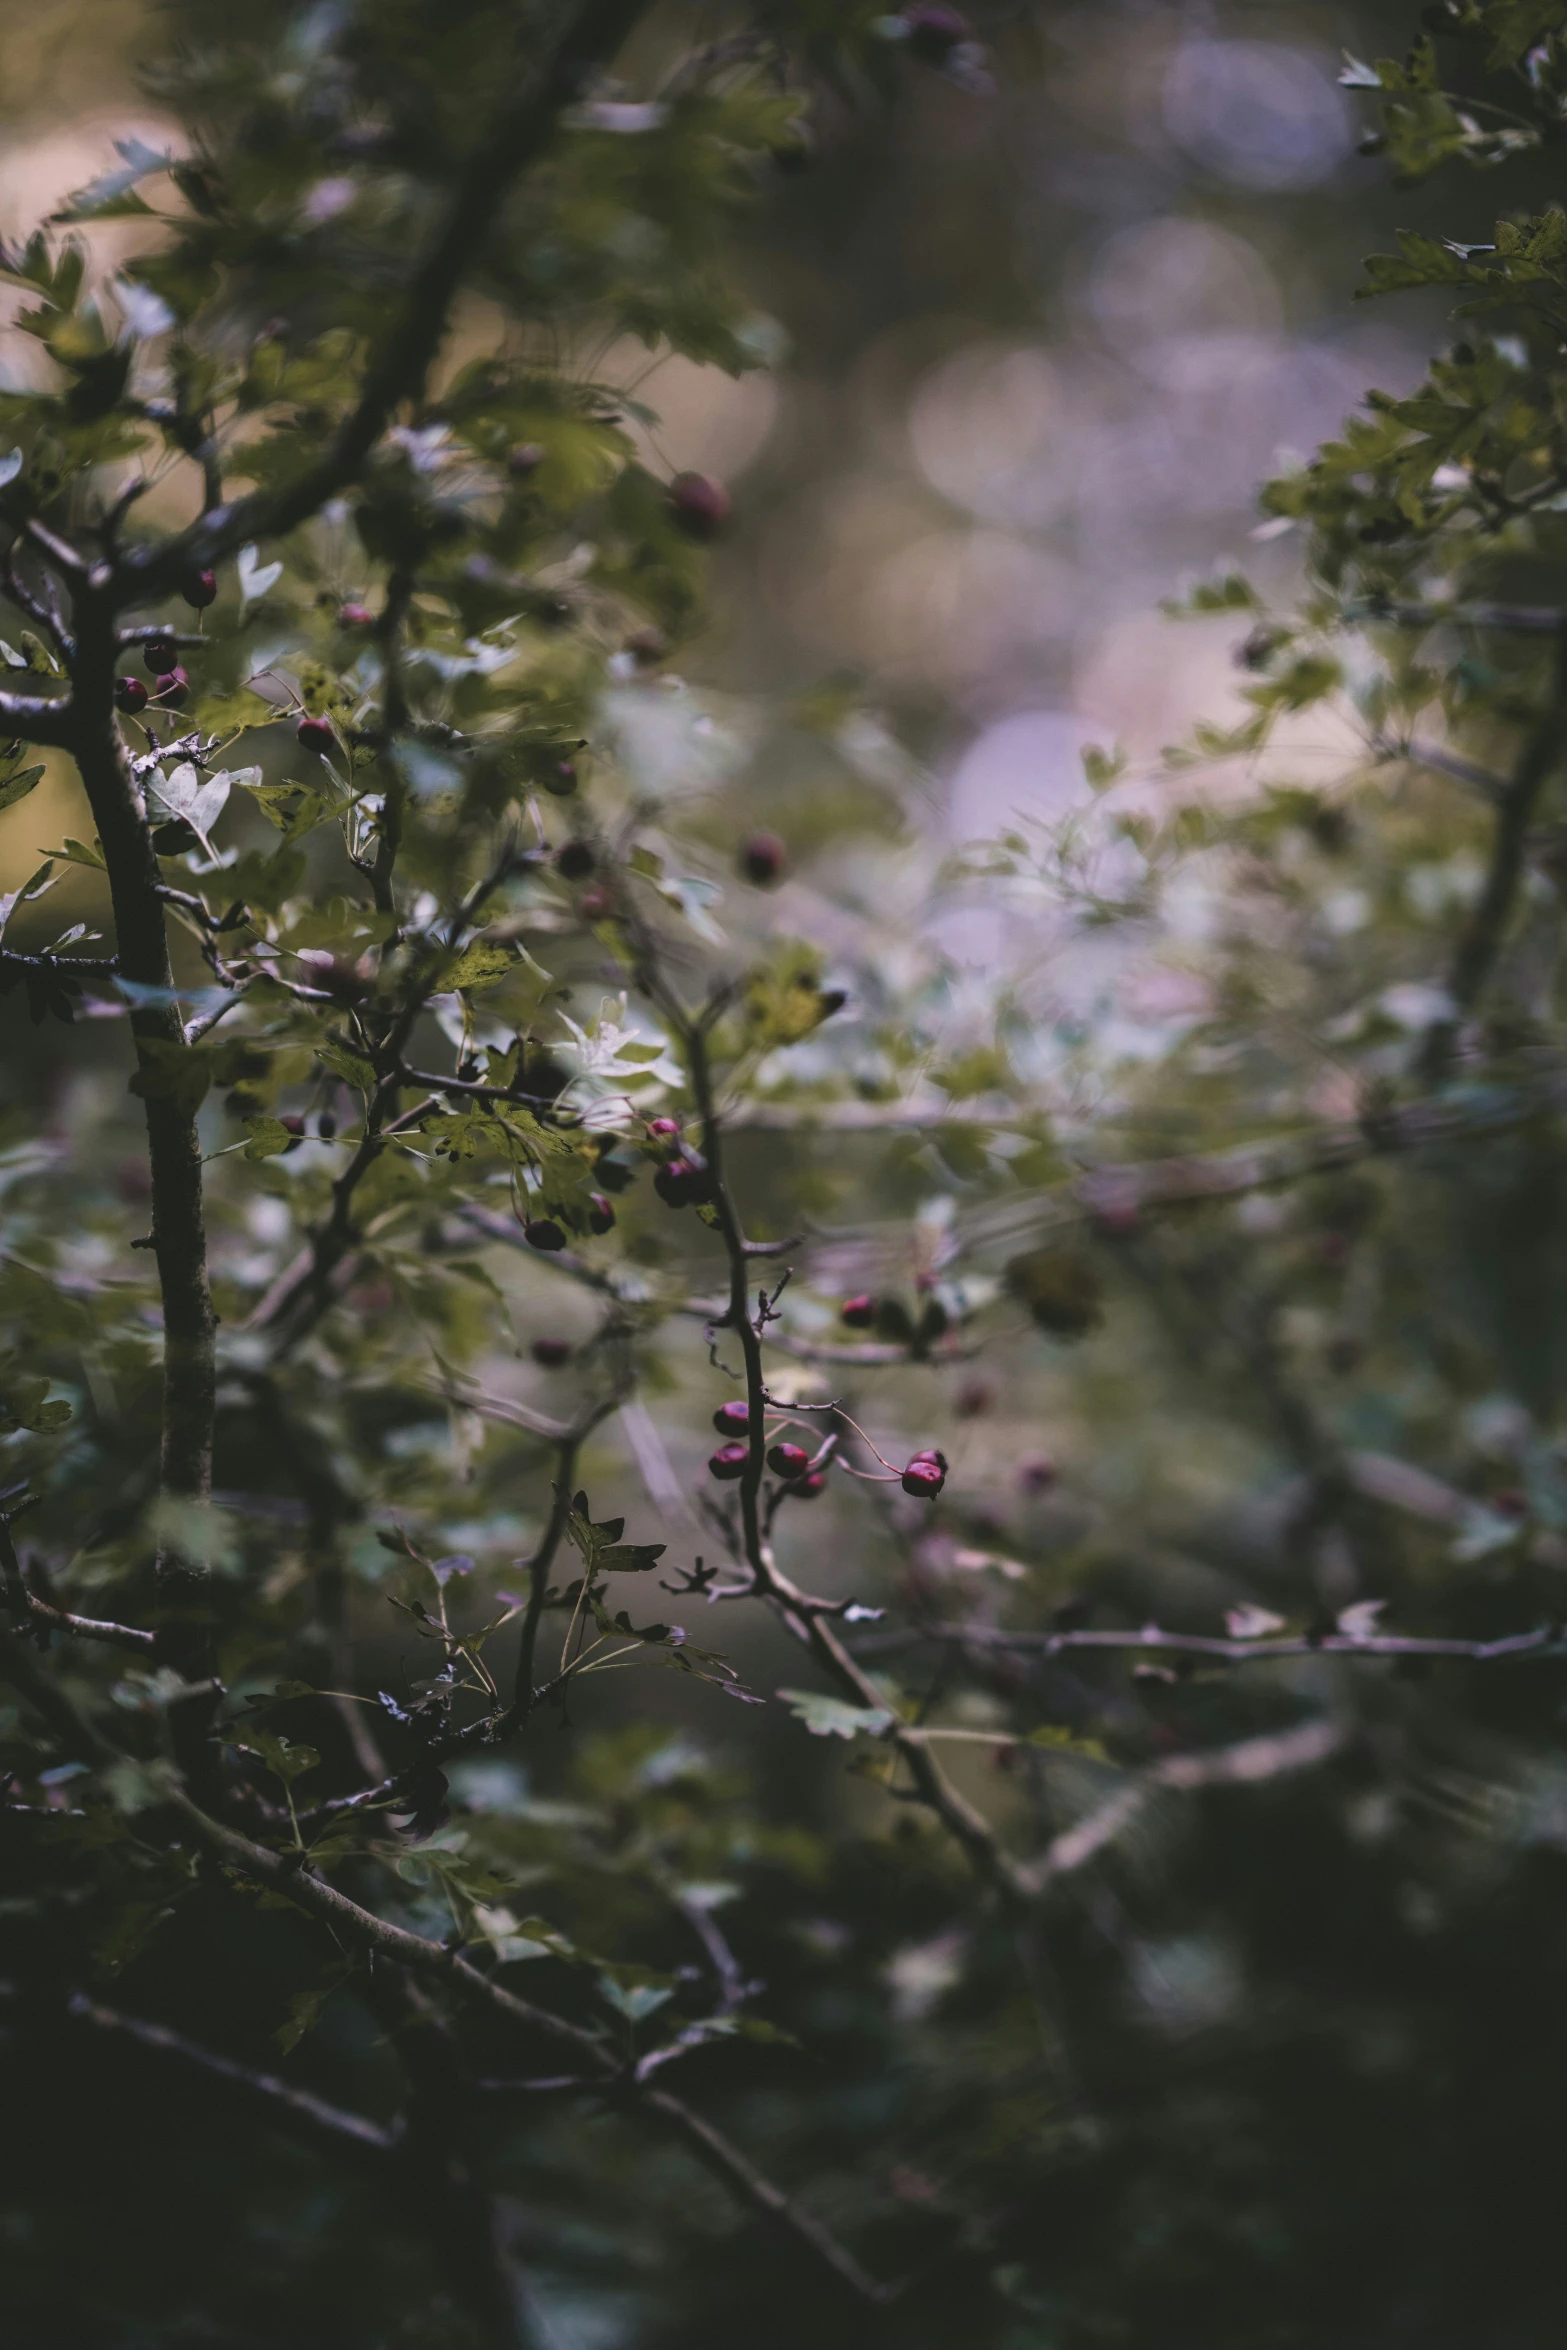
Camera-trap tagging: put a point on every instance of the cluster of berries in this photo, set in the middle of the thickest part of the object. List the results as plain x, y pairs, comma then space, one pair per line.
170, 685
790, 1462
685, 1179
542, 1232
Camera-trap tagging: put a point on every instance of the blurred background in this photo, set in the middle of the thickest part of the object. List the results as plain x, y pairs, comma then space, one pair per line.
1033, 351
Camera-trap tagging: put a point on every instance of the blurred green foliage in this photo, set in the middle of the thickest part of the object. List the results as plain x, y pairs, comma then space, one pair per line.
1207, 1989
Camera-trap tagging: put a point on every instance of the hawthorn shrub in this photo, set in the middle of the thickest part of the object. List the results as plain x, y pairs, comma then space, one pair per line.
1180, 1959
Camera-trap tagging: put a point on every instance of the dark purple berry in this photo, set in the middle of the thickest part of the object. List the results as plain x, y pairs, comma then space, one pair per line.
130, 695
673, 1183
729, 1460
160, 654
575, 861
560, 777
933, 30
663, 1129
315, 734
601, 1216
699, 504
173, 689
809, 1487
763, 860
924, 1478
858, 1312
647, 647
732, 1419
788, 1460
199, 588
543, 1232
550, 1353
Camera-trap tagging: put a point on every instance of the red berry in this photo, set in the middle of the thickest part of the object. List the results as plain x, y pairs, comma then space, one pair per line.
550, 1353
673, 1183
199, 588
160, 654
858, 1312
174, 688
130, 695
601, 1216
732, 1418
809, 1487
1116, 1220
788, 1460
763, 860
575, 861
663, 1129
924, 1478
526, 458
729, 1460
699, 504
355, 616
543, 1232
315, 734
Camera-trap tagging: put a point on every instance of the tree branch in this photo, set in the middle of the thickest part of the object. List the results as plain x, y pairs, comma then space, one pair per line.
1480, 942
1545, 1640
268, 2097
1244, 1764
590, 35
174, 1147
30, 718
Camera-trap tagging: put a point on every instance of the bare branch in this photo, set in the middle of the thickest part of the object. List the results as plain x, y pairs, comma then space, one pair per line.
1545, 1640
33, 718
270, 2098
1244, 1764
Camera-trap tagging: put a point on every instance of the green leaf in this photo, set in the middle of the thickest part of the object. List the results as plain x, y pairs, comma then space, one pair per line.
830, 1717
75, 853
1059, 1740
634, 1992
269, 1138
479, 965
602, 1550
305, 2007
16, 787
286, 1759
111, 197
351, 1066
